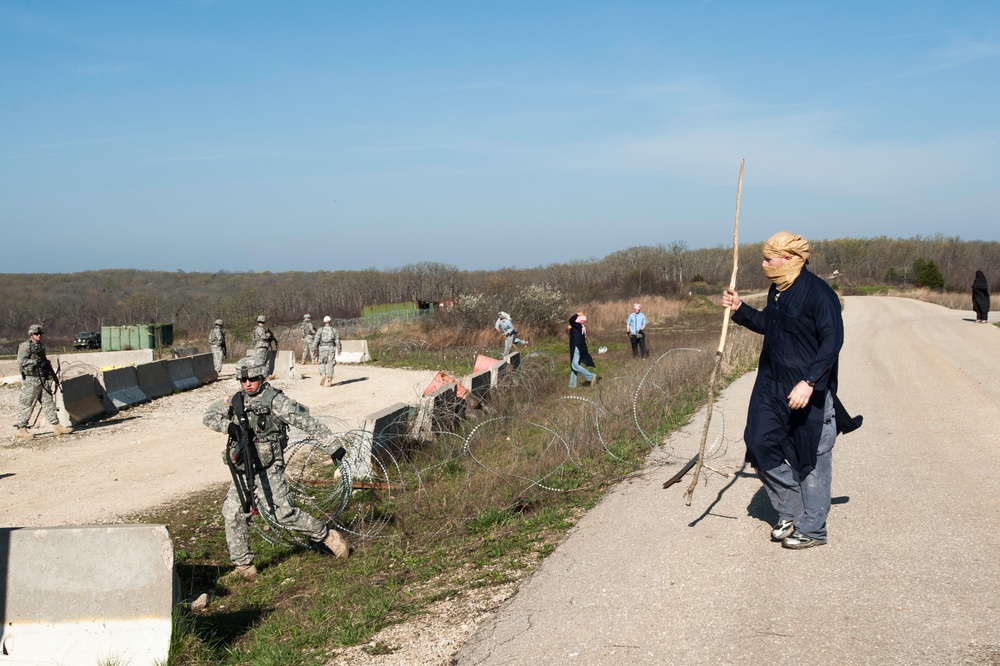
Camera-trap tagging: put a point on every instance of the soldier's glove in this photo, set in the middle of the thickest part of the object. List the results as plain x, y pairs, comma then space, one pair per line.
235, 432
338, 455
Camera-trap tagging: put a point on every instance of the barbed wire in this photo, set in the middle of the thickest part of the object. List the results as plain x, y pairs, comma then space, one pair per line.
504, 452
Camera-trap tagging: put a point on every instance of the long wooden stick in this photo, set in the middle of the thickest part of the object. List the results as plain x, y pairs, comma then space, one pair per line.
722, 345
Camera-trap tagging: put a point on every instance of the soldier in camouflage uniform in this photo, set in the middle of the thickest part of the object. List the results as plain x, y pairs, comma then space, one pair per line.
327, 346
269, 413
263, 343
308, 334
35, 374
217, 341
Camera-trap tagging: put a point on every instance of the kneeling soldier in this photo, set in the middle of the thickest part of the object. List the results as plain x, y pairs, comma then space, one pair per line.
258, 416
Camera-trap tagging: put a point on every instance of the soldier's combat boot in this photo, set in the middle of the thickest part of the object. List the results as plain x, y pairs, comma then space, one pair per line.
58, 429
23, 432
335, 542
247, 572
322, 380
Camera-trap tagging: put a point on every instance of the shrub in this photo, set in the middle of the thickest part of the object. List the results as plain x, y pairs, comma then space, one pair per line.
537, 307
926, 273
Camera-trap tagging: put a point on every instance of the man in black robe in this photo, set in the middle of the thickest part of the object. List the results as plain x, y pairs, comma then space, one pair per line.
794, 413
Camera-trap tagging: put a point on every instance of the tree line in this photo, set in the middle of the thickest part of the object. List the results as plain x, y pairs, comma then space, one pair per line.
70, 302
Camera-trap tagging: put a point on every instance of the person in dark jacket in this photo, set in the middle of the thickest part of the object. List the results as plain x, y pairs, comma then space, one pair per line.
981, 297
794, 413
578, 354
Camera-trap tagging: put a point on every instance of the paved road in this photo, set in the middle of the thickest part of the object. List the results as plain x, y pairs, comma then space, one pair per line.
910, 575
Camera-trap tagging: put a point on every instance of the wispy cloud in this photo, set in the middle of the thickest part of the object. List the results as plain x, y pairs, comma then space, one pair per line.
956, 55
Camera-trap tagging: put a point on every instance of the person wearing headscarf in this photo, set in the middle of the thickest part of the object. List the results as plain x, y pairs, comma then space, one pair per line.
981, 297
635, 326
794, 414
578, 354
505, 327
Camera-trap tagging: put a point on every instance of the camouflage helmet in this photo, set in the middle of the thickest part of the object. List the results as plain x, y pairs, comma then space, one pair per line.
218, 322
307, 316
261, 319
35, 329
249, 368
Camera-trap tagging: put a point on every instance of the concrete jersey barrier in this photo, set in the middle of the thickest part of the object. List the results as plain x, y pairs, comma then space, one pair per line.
353, 351
181, 372
81, 398
87, 595
204, 368
154, 379
122, 385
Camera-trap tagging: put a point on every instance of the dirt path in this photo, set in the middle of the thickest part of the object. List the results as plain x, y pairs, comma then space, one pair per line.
159, 452
909, 575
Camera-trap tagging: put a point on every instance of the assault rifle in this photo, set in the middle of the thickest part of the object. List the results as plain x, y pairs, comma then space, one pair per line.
47, 373
242, 459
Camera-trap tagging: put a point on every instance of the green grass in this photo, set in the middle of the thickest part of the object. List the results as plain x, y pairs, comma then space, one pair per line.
462, 527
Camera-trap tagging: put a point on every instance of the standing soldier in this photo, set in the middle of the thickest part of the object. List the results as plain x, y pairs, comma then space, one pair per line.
36, 371
259, 415
217, 341
326, 347
308, 333
263, 342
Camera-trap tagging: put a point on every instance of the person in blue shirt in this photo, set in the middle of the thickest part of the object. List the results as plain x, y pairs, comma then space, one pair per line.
636, 325
794, 414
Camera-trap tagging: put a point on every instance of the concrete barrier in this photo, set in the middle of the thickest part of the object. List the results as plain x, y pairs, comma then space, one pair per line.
154, 379
480, 383
122, 385
86, 595
81, 398
514, 358
353, 351
380, 428
181, 371
204, 368
10, 372
437, 411
284, 365
110, 359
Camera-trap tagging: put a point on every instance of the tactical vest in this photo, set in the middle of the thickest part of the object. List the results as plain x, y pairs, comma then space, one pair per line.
30, 365
327, 336
270, 432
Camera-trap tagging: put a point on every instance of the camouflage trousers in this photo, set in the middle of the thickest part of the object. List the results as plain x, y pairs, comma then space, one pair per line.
327, 360
265, 357
272, 495
217, 357
307, 349
32, 391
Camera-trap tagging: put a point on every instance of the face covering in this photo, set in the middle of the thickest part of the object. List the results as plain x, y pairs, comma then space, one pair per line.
783, 276
785, 244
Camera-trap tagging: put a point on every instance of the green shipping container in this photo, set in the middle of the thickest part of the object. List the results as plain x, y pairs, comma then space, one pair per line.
136, 336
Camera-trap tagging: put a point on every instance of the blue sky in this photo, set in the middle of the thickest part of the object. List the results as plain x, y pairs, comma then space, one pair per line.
227, 135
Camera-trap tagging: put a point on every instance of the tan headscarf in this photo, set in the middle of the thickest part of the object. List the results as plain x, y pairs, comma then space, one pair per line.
784, 244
